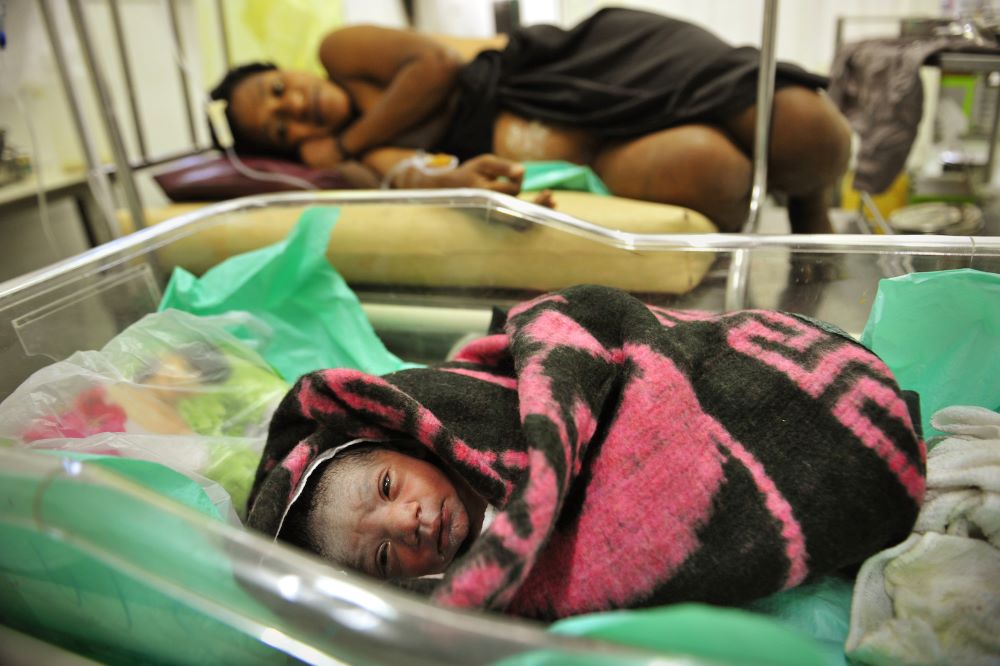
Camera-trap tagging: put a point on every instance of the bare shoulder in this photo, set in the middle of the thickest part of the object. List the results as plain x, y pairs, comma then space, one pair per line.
376, 53
469, 47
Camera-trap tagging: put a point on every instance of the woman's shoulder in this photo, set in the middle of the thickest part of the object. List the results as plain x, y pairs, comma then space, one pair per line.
470, 47
353, 39
370, 50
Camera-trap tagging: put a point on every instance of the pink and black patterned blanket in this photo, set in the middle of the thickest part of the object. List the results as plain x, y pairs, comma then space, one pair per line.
637, 456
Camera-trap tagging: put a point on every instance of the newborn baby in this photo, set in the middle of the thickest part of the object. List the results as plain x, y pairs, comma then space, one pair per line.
390, 514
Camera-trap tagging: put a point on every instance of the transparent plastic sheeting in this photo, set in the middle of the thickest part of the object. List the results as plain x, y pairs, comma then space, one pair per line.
161, 581
500, 208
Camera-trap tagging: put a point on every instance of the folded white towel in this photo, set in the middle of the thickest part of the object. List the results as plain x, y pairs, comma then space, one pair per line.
935, 598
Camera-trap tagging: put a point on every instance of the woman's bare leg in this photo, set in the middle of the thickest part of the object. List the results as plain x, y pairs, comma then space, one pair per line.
808, 153
696, 166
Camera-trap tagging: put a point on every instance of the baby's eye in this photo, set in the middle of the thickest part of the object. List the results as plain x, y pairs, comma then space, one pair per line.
386, 485
278, 88
382, 558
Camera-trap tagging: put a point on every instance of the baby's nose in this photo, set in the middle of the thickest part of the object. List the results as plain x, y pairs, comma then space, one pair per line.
406, 523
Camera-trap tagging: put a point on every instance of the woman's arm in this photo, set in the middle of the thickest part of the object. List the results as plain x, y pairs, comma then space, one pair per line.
413, 73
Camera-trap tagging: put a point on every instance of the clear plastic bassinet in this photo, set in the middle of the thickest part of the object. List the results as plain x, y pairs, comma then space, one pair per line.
91, 559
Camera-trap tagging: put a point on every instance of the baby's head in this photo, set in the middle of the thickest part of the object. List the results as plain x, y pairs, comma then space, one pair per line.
385, 512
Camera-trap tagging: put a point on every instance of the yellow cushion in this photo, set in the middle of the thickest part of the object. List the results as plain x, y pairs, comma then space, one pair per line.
433, 246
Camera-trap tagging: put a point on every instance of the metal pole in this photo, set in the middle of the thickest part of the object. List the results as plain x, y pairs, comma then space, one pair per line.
111, 126
96, 178
224, 35
181, 68
739, 270
116, 21
765, 100
993, 81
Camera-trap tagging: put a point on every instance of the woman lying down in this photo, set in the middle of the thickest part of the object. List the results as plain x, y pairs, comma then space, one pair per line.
631, 456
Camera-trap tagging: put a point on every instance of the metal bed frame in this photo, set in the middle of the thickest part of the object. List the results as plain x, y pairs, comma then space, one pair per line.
101, 176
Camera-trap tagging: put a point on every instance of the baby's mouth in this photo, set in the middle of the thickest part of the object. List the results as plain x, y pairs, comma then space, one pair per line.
444, 530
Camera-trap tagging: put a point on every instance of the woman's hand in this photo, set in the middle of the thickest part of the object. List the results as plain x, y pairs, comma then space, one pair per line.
484, 171
495, 173
320, 153
324, 153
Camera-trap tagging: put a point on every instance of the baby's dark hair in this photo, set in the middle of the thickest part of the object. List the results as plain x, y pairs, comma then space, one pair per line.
241, 142
296, 529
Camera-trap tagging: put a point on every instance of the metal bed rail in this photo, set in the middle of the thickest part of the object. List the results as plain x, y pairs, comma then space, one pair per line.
123, 168
739, 272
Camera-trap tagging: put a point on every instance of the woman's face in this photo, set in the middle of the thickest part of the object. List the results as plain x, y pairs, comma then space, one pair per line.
280, 109
395, 516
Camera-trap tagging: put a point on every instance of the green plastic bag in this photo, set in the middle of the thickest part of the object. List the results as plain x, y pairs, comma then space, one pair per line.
939, 333
316, 319
558, 175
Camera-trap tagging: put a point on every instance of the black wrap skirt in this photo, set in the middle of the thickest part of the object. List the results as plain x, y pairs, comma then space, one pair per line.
619, 74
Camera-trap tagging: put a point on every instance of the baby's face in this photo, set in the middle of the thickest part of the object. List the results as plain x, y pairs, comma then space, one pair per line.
395, 516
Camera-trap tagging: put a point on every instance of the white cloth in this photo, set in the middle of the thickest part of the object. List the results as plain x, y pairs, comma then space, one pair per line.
488, 517
935, 598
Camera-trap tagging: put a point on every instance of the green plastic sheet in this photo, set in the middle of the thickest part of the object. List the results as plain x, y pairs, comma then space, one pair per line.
820, 609
720, 635
71, 584
939, 333
156, 477
316, 319
559, 175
